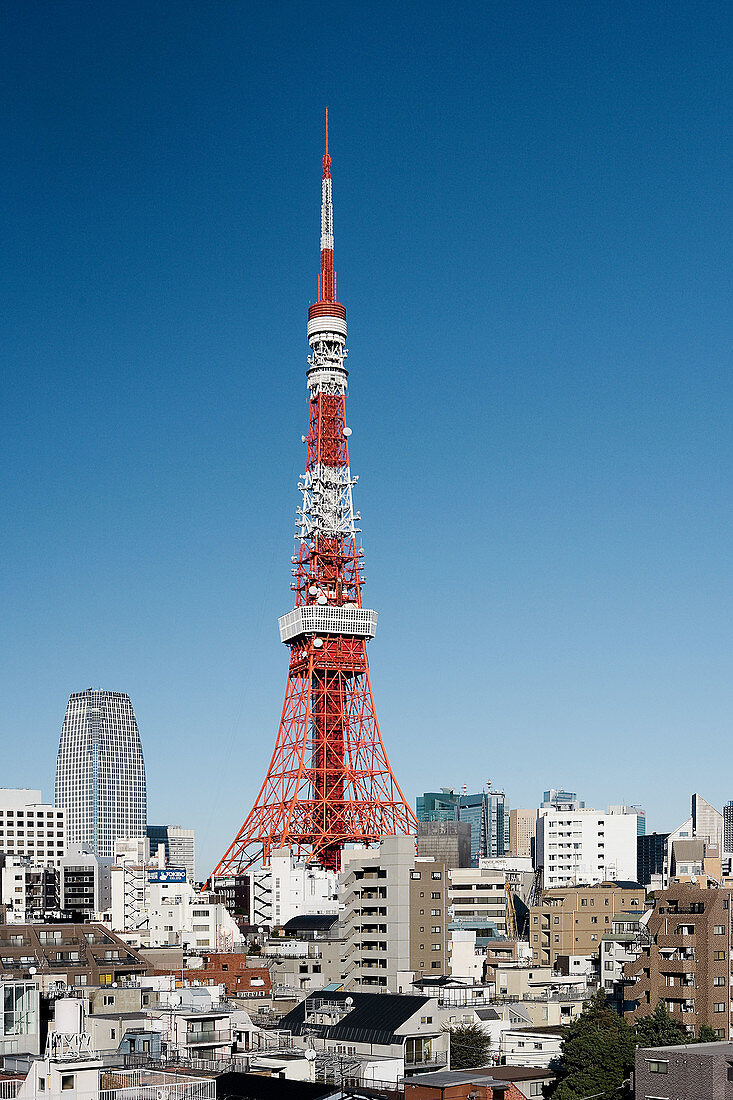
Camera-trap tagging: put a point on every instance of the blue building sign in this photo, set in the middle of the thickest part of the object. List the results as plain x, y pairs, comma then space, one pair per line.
171, 874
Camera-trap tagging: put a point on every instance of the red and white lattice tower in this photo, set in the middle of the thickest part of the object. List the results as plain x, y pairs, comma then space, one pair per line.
329, 782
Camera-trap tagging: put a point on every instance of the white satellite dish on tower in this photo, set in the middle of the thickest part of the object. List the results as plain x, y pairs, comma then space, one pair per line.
347, 432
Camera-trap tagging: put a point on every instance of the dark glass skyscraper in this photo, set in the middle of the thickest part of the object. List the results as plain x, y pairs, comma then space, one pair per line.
100, 772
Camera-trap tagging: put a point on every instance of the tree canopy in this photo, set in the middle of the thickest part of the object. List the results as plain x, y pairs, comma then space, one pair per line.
658, 1029
470, 1046
597, 1054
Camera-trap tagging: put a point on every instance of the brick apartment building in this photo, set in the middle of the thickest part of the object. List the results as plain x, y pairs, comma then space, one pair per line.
685, 959
571, 920
75, 954
687, 1072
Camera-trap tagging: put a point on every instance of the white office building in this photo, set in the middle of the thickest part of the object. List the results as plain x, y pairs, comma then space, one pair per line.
100, 772
585, 846
290, 888
31, 829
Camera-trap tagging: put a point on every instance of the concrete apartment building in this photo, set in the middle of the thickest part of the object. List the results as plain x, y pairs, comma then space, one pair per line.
394, 918
31, 829
583, 845
477, 896
429, 940
685, 960
521, 832
573, 920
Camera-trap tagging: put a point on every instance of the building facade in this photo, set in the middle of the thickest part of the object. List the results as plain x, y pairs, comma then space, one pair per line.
445, 841
684, 959
437, 805
30, 829
100, 772
521, 832
573, 920
650, 849
585, 846
179, 845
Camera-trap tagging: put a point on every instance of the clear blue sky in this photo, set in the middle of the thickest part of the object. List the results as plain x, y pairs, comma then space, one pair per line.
533, 239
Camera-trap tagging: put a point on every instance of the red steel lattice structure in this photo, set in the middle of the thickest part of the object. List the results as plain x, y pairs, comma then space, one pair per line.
329, 782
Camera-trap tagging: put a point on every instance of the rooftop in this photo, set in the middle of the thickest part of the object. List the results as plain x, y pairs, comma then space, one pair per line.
374, 1017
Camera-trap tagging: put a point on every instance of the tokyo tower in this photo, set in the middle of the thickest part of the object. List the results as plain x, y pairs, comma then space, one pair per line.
329, 782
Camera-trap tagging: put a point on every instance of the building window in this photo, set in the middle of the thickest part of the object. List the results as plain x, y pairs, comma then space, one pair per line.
719, 1006
435, 929
718, 980
435, 897
67, 1082
435, 874
108, 999
719, 956
719, 930
657, 1067
414, 874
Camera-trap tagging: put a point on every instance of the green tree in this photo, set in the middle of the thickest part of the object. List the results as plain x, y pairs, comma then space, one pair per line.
470, 1046
706, 1034
658, 1029
597, 1054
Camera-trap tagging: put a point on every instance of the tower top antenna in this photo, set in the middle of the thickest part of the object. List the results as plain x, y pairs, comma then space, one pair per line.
326, 155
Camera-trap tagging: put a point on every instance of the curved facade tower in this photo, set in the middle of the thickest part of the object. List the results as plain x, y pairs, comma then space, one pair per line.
329, 782
100, 771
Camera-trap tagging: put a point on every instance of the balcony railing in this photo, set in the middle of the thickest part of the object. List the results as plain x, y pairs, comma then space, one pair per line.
420, 1061
213, 1038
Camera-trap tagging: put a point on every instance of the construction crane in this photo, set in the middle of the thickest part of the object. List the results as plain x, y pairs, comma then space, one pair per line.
511, 916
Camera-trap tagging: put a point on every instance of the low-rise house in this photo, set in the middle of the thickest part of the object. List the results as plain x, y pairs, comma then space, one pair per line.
460, 1085
402, 1032
198, 1023
531, 1046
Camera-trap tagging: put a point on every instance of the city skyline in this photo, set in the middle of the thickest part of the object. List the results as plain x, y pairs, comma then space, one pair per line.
532, 256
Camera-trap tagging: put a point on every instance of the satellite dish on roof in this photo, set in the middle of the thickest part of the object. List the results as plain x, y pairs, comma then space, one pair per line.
349, 1001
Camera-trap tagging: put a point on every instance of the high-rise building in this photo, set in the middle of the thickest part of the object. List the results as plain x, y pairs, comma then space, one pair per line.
100, 772
179, 845
447, 842
707, 822
437, 805
650, 849
561, 800
485, 813
521, 832
728, 829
